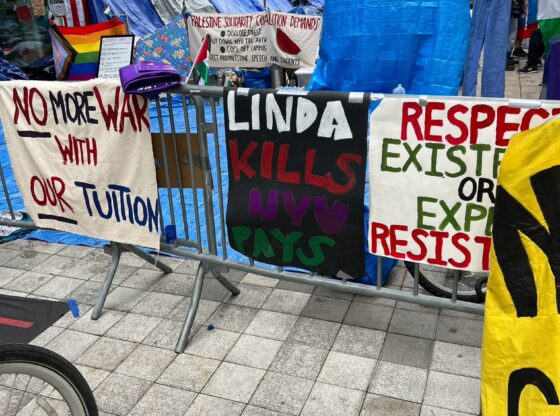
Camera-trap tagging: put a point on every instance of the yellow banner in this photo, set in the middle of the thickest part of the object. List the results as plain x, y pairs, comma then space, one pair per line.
521, 344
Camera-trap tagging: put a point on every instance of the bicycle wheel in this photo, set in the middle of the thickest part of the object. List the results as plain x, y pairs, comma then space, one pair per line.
37, 382
439, 281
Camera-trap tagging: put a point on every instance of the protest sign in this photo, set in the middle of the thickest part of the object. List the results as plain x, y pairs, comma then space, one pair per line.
115, 53
82, 158
433, 169
296, 179
521, 343
257, 40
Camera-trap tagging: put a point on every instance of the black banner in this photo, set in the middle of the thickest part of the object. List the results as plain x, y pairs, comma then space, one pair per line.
23, 319
296, 179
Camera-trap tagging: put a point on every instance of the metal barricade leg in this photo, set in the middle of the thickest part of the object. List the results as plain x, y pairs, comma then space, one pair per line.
225, 282
149, 258
193, 307
116, 251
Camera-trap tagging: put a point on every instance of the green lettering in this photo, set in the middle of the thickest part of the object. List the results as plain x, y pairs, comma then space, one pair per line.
240, 235
435, 148
449, 215
385, 154
262, 245
480, 149
422, 213
457, 161
498, 153
288, 242
489, 222
317, 255
474, 212
412, 157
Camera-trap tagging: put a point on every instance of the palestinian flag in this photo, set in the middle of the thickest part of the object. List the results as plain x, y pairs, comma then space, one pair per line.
201, 64
549, 19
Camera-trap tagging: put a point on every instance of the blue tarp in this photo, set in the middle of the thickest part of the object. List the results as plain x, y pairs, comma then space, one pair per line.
142, 16
374, 46
277, 5
237, 6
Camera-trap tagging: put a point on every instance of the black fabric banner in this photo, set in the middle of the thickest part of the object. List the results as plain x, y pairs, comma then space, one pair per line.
22, 319
296, 179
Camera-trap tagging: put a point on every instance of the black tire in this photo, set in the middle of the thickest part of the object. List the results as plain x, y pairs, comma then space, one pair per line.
438, 290
33, 356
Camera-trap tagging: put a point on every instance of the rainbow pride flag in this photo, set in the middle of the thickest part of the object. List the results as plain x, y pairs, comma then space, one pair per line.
76, 49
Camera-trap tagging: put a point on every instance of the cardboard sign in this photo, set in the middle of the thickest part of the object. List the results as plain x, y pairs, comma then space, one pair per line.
257, 40
296, 179
82, 158
115, 53
521, 343
433, 171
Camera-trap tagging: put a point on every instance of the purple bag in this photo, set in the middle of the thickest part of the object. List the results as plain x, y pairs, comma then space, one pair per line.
148, 77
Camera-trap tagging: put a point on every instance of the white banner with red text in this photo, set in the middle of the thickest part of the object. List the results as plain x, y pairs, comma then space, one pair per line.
433, 167
257, 40
82, 158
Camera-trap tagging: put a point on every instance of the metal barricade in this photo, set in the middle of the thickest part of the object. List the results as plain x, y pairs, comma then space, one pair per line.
189, 168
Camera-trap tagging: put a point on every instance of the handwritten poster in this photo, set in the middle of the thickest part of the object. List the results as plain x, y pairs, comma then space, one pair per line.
296, 179
82, 158
257, 40
115, 53
433, 169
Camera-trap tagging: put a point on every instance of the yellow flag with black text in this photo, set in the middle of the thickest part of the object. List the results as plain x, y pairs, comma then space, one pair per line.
521, 343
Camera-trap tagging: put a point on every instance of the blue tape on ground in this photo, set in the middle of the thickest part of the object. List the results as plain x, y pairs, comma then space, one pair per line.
73, 305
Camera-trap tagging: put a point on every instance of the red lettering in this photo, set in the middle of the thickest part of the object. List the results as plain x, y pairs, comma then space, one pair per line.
281, 174
59, 192
395, 242
126, 112
438, 259
23, 107
430, 121
379, 232
411, 113
39, 201
486, 243
416, 234
52, 192
555, 111
320, 181
456, 240
39, 121
110, 114
241, 165
477, 123
266, 160
503, 127
343, 162
454, 121
528, 117
140, 112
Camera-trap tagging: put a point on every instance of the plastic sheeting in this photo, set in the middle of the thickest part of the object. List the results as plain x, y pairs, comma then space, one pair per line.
170, 9
142, 16
237, 6
277, 5
374, 46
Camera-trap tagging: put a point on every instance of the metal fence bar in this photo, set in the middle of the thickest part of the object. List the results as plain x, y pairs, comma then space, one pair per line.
165, 164
177, 166
6, 193
191, 170
219, 177
330, 283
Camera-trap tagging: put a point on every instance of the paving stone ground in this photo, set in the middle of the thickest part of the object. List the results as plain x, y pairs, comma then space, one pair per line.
277, 349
